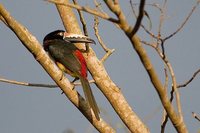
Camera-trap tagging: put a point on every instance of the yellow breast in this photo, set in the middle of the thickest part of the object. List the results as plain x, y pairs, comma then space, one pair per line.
64, 69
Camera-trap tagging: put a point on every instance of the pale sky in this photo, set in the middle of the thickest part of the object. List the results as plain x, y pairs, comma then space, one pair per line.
43, 110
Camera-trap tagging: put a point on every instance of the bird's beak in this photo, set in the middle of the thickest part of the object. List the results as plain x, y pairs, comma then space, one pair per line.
75, 38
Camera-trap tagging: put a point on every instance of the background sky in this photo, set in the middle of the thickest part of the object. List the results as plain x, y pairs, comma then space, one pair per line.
42, 110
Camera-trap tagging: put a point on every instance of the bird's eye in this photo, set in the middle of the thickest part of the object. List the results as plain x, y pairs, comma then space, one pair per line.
60, 34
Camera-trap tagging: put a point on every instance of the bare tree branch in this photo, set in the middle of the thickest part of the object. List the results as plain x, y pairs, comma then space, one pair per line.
31, 43
174, 83
165, 116
107, 50
84, 26
175, 119
145, 29
190, 80
197, 117
27, 84
102, 79
37, 84
86, 9
82, 19
162, 17
139, 18
184, 22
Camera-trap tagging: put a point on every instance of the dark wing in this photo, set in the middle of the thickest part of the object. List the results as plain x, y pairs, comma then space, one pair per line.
62, 52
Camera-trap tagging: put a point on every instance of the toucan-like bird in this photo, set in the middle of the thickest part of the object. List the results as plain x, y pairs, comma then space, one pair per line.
60, 46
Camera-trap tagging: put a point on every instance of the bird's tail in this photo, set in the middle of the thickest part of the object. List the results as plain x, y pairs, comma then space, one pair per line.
90, 97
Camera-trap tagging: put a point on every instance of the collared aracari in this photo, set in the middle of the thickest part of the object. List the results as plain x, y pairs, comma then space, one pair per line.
60, 46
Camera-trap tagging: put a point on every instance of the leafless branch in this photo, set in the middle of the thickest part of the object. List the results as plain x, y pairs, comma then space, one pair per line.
190, 80
86, 9
197, 117
32, 44
145, 29
139, 18
82, 19
174, 85
83, 24
27, 84
135, 40
98, 6
162, 17
156, 5
102, 79
36, 84
3, 20
184, 22
107, 50
165, 116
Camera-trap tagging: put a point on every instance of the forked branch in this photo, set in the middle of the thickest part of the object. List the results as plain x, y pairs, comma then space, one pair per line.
31, 43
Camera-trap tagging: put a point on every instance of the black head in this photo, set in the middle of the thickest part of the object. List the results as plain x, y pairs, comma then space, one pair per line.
58, 34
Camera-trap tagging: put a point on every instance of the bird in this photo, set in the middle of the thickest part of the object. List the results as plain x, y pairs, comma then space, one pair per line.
60, 45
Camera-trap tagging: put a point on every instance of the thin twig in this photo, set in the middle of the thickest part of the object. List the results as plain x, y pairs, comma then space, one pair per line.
174, 84
165, 116
139, 18
184, 22
3, 20
84, 26
145, 29
162, 47
107, 50
162, 17
36, 84
96, 30
148, 4
107, 55
86, 9
27, 84
190, 80
98, 6
174, 87
197, 117
82, 19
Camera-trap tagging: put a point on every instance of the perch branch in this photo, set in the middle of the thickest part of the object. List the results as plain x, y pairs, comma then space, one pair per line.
32, 44
110, 90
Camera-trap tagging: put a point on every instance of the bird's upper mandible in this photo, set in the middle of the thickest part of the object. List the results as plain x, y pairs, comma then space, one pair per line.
68, 37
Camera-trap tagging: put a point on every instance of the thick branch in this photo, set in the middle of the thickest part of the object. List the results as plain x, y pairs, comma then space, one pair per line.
102, 79
115, 8
31, 43
176, 120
